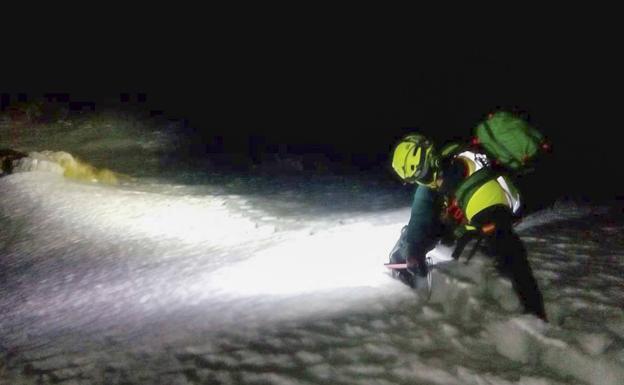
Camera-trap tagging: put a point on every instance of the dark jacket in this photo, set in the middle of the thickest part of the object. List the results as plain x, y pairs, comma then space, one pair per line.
425, 225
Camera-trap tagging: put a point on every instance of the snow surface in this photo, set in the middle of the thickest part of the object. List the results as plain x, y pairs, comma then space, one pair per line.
281, 281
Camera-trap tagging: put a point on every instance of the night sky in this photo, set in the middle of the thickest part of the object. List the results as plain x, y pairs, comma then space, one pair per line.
352, 95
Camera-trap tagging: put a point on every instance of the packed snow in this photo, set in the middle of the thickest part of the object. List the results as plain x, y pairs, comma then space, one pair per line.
256, 280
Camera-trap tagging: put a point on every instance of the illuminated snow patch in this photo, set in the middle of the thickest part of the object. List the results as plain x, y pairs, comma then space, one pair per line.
340, 257
343, 257
115, 215
192, 220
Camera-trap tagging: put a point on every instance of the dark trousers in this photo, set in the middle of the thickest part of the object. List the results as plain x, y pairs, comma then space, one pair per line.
511, 261
511, 258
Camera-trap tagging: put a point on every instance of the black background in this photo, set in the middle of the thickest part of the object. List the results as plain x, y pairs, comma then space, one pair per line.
348, 86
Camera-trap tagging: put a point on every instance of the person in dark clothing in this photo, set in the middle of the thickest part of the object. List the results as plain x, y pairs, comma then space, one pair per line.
459, 196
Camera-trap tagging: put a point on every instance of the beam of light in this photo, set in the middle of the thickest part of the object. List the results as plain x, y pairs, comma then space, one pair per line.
122, 215
342, 257
198, 220
190, 219
183, 249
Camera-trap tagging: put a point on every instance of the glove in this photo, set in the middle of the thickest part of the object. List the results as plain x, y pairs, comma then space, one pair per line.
417, 265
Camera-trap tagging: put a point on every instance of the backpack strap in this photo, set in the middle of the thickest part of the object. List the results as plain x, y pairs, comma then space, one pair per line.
450, 150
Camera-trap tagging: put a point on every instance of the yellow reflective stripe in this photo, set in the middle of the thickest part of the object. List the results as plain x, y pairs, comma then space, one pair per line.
490, 194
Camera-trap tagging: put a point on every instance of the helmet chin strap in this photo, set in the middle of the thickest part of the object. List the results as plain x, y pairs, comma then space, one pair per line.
434, 181
430, 172
435, 167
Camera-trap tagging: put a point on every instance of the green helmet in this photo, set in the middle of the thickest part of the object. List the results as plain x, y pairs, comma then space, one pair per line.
415, 160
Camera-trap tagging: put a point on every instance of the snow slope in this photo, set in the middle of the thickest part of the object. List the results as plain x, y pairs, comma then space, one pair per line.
110, 284
280, 281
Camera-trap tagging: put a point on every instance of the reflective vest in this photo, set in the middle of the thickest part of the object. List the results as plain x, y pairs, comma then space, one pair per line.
483, 187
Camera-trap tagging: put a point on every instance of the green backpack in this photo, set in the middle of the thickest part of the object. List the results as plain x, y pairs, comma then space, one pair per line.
510, 140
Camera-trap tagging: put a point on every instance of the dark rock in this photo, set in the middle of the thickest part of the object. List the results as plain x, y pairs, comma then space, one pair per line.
7, 156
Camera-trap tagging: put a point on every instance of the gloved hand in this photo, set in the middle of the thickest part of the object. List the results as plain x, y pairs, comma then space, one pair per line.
418, 275
417, 265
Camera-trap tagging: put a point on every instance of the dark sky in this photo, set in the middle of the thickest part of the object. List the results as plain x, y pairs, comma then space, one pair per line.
353, 93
